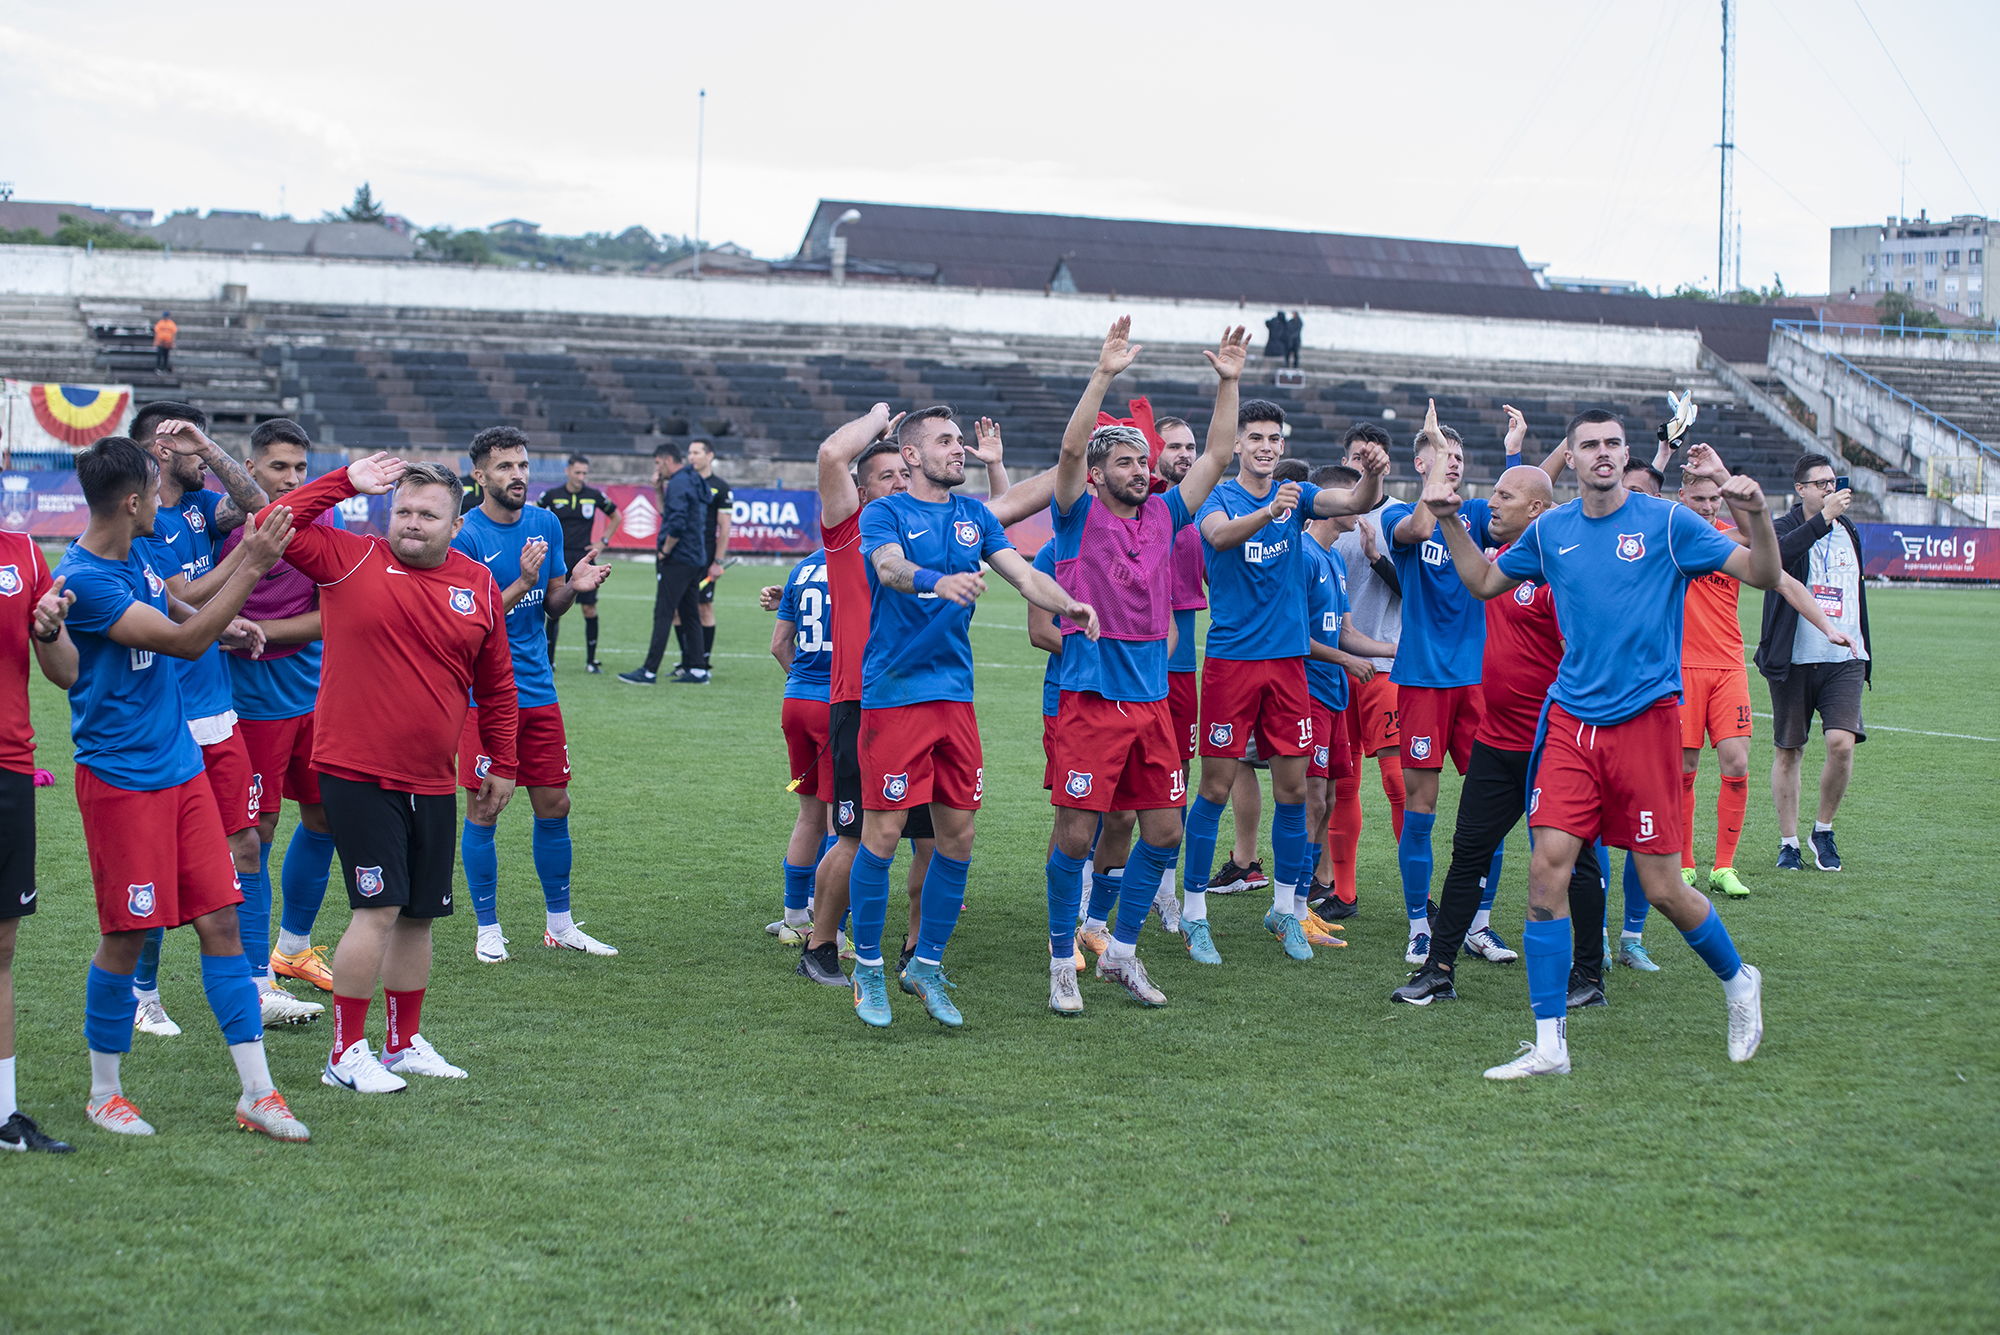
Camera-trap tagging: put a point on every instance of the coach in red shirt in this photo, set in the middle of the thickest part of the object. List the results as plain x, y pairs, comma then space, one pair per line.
412, 631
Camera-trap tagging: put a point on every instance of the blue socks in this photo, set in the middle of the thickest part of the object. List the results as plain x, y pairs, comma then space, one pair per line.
1550, 952
1288, 844
552, 861
1143, 871
1636, 906
233, 998
1491, 885
109, 1009
253, 919
147, 979
798, 887
482, 872
303, 877
1313, 852
1413, 854
1711, 942
1065, 894
943, 897
1104, 892
1203, 823
868, 902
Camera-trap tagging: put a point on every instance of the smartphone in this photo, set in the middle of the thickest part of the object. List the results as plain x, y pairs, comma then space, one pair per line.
1843, 483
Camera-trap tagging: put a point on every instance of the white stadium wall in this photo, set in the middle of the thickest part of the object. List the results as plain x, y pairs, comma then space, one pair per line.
153, 277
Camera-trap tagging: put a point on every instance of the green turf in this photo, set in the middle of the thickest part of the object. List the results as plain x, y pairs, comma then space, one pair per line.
689, 1137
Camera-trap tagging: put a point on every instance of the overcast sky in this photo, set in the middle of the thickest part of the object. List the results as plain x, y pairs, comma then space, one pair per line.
1582, 132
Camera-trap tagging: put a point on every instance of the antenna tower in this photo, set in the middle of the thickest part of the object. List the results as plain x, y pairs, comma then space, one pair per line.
1728, 145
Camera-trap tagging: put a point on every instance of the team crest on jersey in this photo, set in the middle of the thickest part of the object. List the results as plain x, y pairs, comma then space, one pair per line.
1420, 748
1319, 756
895, 785
368, 880
967, 533
461, 601
1631, 546
481, 765
10, 580
1078, 785
1524, 594
139, 900
195, 519
1221, 734
847, 813
154, 584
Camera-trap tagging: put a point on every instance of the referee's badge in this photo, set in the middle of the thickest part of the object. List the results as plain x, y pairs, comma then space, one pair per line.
461, 601
10, 580
589, 509
139, 900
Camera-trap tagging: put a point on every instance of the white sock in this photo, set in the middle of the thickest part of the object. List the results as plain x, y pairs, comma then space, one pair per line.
7, 1105
1789, 841
104, 1076
1419, 927
291, 943
1480, 919
1739, 987
1167, 880
793, 917
1628, 936
1095, 924
1299, 907
1551, 1040
1120, 950
560, 923
145, 996
1195, 906
1821, 827
252, 1067
1282, 895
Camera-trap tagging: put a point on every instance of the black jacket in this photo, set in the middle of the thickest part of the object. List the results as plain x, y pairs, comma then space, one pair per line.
684, 515
1796, 536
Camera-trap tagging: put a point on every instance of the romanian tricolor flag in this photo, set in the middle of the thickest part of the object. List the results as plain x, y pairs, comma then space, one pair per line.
79, 414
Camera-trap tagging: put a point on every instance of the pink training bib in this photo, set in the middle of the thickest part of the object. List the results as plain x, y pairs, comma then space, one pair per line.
1188, 571
1121, 568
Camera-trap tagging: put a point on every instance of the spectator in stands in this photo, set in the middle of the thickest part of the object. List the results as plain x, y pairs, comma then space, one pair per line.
1279, 341
1807, 672
164, 333
678, 564
1294, 338
721, 509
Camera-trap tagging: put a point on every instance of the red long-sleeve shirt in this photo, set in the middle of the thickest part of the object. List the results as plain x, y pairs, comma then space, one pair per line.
403, 647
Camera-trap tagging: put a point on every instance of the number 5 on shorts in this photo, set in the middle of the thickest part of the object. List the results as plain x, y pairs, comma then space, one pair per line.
1645, 825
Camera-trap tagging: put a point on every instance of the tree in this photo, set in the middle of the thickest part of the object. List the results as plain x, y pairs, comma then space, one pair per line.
1899, 308
365, 209
75, 231
1689, 292
443, 244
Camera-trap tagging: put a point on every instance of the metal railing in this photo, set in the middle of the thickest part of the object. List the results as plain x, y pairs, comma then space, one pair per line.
1888, 330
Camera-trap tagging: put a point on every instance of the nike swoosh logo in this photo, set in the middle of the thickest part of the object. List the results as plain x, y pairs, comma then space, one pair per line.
28, 896
1565, 551
447, 900
345, 1084
394, 571
919, 533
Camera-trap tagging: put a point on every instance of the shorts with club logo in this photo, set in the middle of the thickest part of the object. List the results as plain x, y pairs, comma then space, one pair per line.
235, 781
397, 850
1184, 708
808, 746
1715, 702
1437, 721
1332, 754
281, 758
18, 894
157, 859
844, 727
1620, 783
1266, 695
929, 752
1115, 755
541, 750
1372, 714
1049, 751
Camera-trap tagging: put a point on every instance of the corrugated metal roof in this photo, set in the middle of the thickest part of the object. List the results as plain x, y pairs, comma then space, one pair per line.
240, 233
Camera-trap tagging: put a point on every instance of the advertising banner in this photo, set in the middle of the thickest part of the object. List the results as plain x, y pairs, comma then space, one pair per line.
1898, 551
40, 418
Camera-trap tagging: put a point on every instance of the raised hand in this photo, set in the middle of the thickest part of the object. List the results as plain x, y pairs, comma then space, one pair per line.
1368, 547
264, 546
888, 430
961, 588
1440, 495
243, 635
587, 577
1517, 428
986, 445
1836, 505
1228, 358
376, 474
1118, 351
770, 596
1371, 458
1284, 500
533, 552
1703, 461
1742, 493
184, 437
51, 608
1431, 424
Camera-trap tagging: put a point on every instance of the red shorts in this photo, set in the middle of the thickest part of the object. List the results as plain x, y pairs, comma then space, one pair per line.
1049, 751
1184, 710
281, 759
156, 859
1115, 755
1268, 695
1332, 753
809, 744
914, 754
1715, 701
1620, 784
1371, 714
238, 789
1437, 720
541, 750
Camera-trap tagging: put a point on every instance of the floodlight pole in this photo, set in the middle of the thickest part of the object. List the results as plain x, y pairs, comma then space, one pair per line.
1728, 146
700, 132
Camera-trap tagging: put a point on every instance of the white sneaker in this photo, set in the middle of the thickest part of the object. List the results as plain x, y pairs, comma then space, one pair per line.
117, 1114
491, 948
420, 1058
575, 938
1746, 1019
1487, 946
1530, 1062
359, 1071
1064, 998
152, 1019
270, 1116
1168, 905
791, 933
1419, 949
281, 1007
1129, 974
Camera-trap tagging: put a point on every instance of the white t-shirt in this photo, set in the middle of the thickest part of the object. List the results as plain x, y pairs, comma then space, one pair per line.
1378, 611
1834, 580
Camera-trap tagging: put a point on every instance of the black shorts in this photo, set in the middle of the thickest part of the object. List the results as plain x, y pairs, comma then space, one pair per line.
397, 850
705, 594
571, 560
18, 897
1831, 690
843, 722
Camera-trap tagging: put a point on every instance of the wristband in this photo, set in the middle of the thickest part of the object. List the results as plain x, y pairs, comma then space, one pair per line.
49, 639
925, 580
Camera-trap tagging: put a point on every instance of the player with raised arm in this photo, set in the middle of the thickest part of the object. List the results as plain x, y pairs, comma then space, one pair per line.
414, 632
1618, 564
513, 541
801, 644
577, 504
158, 857
1115, 747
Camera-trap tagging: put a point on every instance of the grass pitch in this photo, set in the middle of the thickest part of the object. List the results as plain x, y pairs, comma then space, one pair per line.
688, 1137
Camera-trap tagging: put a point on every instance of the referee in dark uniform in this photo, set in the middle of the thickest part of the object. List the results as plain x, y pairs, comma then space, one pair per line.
721, 508
577, 505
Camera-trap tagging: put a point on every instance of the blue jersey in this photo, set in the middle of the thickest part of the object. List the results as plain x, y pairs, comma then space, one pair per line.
184, 542
1444, 626
903, 665
1182, 659
1326, 604
1134, 670
276, 688
1045, 561
805, 604
498, 547
1619, 584
1256, 592
125, 711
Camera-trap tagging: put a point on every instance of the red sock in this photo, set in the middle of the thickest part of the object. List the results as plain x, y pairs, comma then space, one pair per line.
405, 1010
350, 1021
1392, 787
1687, 821
1729, 805
1343, 837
